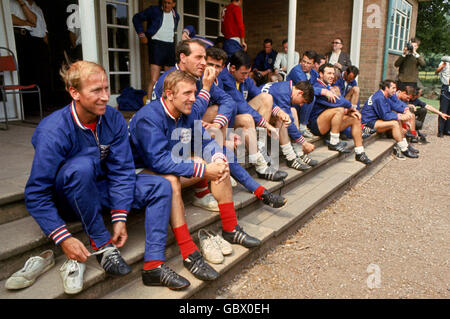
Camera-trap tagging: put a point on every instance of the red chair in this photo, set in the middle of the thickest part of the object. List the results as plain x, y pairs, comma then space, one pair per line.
8, 63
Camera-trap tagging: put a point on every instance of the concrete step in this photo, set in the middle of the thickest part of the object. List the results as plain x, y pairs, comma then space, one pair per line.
134, 250
265, 223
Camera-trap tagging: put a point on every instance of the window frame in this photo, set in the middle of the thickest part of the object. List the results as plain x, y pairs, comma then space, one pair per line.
201, 17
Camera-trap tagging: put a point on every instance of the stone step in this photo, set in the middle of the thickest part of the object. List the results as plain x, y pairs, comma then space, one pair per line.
197, 218
265, 224
17, 249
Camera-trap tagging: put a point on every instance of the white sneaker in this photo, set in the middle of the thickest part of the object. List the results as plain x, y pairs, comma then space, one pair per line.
209, 248
33, 268
207, 202
225, 247
72, 273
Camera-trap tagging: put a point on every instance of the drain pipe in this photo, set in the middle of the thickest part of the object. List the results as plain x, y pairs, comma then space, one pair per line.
386, 41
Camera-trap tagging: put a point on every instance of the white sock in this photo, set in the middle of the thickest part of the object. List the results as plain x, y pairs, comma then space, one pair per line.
359, 149
259, 162
298, 149
334, 138
302, 127
403, 145
288, 151
148, 101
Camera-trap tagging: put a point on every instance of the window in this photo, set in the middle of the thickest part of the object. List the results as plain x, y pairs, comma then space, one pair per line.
400, 25
118, 44
203, 15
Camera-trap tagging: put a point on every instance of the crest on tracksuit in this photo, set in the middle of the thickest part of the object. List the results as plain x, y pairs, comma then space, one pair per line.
185, 136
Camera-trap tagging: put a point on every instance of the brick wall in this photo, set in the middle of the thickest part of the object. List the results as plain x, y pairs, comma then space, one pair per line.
314, 27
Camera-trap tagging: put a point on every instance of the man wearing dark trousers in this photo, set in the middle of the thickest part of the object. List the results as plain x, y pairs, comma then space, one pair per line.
162, 22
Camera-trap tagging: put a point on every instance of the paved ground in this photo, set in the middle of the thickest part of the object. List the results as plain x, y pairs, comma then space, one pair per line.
386, 237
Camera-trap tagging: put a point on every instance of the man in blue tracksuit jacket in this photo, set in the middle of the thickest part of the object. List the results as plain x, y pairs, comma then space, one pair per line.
285, 94
83, 165
348, 86
165, 135
335, 117
191, 57
383, 112
251, 104
162, 22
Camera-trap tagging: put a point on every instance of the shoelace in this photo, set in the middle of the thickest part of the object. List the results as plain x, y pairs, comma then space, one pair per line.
30, 263
72, 266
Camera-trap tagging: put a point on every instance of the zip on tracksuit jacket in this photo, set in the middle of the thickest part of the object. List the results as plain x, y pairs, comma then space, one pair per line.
378, 107
247, 90
227, 106
322, 102
281, 93
60, 137
153, 15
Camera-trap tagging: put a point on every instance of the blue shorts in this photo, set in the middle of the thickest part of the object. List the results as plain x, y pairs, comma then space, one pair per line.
314, 128
230, 46
370, 124
161, 53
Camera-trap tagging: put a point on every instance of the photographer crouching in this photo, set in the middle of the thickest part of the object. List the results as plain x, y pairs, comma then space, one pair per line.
408, 65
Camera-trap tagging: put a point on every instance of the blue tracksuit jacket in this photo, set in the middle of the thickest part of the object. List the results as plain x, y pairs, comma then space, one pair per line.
378, 107
153, 15
61, 137
227, 106
281, 93
247, 91
345, 87
322, 102
155, 136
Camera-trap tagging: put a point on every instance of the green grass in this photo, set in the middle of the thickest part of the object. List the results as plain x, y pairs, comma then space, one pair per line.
434, 103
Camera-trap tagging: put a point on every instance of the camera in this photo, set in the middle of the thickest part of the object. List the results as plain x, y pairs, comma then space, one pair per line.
410, 48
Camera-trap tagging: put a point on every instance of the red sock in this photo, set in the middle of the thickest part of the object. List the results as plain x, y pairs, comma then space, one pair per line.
259, 191
152, 264
201, 188
404, 125
94, 247
228, 216
184, 241
414, 133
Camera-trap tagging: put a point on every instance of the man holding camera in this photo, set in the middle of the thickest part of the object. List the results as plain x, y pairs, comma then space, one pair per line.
408, 65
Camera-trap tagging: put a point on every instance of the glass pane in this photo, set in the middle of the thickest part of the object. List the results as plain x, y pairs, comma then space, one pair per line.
118, 82
119, 61
124, 1
390, 42
212, 10
191, 7
117, 14
118, 38
212, 27
191, 21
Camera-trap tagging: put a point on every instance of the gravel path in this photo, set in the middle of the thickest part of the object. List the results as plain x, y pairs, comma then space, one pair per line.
386, 237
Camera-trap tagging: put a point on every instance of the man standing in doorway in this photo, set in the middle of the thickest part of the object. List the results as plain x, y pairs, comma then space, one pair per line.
162, 22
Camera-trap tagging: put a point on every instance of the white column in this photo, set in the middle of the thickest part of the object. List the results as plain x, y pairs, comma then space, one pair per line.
291, 33
7, 40
355, 45
89, 31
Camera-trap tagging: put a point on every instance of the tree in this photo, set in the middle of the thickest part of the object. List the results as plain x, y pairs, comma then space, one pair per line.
433, 22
